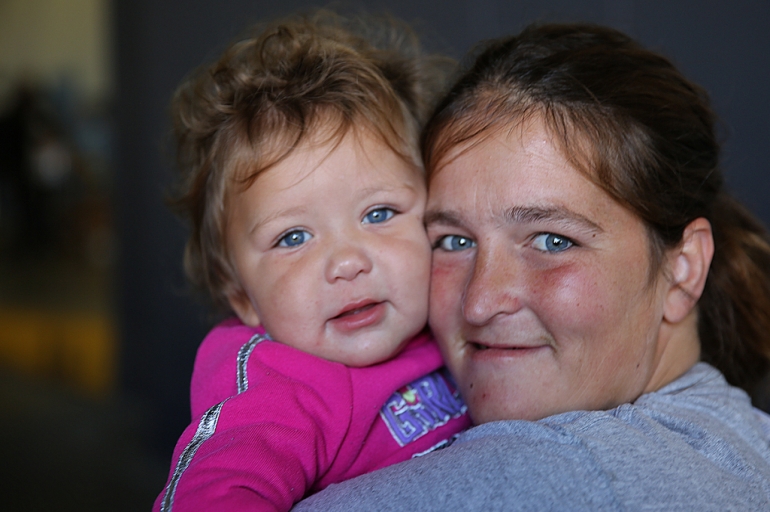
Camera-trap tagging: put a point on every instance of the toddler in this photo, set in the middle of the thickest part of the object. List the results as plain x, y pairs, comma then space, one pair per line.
305, 192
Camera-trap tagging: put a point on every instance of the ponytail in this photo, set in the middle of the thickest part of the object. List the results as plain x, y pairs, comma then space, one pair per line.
734, 310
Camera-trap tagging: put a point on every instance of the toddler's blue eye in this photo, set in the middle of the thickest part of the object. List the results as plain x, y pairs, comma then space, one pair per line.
294, 238
455, 243
378, 215
550, 242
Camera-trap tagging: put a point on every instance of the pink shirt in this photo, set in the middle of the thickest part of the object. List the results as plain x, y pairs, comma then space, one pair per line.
275, 424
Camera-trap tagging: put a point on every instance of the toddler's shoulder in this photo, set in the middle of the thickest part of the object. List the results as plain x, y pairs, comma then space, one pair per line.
215, 374
235, 357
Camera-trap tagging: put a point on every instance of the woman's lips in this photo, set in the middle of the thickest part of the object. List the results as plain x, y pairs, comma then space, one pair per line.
483, 351
359, 315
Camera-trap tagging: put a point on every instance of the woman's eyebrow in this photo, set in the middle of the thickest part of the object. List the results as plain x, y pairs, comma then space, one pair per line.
528, 214
442, 217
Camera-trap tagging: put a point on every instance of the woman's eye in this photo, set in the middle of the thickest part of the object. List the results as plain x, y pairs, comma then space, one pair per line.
294, 238
454, 243
549, 242
378, 215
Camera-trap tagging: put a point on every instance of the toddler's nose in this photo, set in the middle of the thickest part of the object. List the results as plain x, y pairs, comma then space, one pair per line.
347, 262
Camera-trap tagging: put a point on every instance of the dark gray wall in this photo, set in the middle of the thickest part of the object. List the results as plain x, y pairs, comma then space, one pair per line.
724, 46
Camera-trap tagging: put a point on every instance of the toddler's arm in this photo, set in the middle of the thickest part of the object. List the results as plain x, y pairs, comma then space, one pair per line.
262, 449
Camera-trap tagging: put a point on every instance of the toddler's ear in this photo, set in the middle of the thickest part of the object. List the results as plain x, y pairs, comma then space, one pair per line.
690, 267
243, 307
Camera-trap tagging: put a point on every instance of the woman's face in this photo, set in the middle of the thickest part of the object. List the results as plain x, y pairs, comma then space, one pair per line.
541, 297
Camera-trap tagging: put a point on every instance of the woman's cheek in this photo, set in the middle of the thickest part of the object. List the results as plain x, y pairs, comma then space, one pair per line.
445, 281
568, 293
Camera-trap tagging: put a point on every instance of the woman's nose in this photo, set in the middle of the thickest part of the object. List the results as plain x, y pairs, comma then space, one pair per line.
492, 287
346, 261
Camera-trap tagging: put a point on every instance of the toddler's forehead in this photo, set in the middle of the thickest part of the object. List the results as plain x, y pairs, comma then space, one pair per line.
325, 181
249, 160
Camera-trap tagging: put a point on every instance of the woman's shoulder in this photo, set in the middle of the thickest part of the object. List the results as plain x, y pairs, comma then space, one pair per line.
676, 448
703, 398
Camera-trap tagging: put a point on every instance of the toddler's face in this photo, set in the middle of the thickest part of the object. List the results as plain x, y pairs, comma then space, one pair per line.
330, 248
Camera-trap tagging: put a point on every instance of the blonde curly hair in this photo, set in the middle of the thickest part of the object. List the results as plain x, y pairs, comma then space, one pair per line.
272, 90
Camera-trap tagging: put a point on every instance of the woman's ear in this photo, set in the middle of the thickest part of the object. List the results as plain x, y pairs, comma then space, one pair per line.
243, 307
689, 267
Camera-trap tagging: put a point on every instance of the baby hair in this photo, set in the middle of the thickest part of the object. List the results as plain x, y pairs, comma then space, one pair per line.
307, 75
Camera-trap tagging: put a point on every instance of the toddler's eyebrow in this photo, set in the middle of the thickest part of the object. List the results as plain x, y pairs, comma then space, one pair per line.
370, 191
288, 212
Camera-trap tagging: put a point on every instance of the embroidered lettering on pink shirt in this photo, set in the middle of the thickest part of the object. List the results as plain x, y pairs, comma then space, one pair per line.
424, 405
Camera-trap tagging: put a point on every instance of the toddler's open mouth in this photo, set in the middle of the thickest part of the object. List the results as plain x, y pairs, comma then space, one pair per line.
354, 310
359, 315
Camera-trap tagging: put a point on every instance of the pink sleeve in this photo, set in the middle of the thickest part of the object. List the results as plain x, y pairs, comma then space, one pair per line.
264, 448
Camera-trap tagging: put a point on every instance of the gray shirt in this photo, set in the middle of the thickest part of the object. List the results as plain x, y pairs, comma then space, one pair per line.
696, 444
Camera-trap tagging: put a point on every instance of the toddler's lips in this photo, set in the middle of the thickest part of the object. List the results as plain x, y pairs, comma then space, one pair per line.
359, 315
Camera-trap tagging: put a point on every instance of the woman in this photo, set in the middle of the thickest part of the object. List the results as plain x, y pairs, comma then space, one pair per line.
589, 274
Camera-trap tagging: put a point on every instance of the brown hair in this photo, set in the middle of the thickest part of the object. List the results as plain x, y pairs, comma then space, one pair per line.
629, 120
268, 93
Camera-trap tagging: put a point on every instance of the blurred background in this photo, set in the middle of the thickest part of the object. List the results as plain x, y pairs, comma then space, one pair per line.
97, 330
